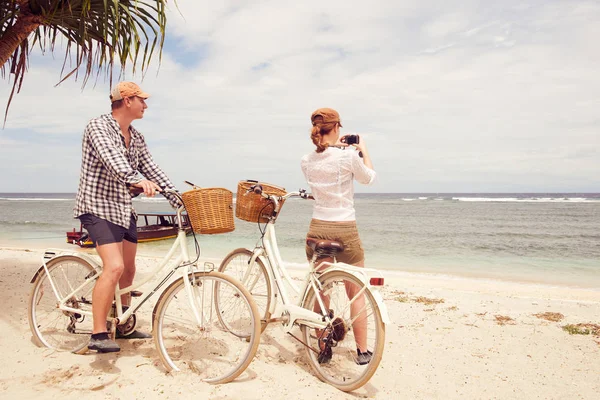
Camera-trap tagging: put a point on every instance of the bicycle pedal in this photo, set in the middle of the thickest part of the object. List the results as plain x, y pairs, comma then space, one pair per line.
136, 293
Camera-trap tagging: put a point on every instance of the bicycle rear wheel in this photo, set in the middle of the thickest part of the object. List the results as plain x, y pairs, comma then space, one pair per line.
198, 341
342, 367
254, 278
51, 326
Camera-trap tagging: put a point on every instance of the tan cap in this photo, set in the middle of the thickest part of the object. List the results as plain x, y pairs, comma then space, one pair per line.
127, 89
328, 116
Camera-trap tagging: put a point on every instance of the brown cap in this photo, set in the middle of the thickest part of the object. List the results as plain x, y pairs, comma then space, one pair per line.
127, 89
328, 116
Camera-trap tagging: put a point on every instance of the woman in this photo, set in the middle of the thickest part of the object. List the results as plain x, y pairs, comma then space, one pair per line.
330, 172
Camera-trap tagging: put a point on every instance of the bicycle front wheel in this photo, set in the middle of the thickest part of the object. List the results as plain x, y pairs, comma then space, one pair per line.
52, 327
254, 278
356, 326
189, 335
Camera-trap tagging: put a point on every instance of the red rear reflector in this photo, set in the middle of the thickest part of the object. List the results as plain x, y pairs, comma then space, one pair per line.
376, 281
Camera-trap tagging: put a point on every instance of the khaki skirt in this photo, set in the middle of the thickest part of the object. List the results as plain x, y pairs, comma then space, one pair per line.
345, 232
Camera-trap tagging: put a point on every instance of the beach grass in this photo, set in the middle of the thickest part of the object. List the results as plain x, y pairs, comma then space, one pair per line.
550, 316
504, 320
402, 298
582, 329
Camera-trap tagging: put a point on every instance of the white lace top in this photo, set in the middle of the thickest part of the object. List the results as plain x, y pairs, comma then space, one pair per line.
330, 175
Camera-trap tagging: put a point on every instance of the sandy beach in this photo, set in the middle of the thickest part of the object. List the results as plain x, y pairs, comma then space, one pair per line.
449, 338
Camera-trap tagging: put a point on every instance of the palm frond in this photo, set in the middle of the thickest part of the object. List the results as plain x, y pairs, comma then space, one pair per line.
97, 35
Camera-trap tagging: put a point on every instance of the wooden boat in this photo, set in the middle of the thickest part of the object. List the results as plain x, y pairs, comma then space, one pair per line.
164, 226
151, 226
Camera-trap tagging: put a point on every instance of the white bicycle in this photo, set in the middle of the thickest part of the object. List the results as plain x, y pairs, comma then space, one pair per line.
187, 331
340, 312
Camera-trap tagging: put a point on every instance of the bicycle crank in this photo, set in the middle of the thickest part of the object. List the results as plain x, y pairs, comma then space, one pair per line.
128, 327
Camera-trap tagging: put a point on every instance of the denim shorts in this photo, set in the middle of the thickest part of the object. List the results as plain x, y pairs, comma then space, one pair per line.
105, 232
345, 232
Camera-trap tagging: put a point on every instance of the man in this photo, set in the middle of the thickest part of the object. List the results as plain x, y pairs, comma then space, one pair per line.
115, 163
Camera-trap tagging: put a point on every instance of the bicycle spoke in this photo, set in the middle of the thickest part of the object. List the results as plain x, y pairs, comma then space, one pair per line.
254, 277
51, 326
209, 349
355, 327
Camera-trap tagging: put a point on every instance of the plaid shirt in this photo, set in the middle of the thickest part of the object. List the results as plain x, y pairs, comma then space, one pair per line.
108, 167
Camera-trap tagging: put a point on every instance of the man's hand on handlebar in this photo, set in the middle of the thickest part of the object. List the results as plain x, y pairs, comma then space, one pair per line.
147, 187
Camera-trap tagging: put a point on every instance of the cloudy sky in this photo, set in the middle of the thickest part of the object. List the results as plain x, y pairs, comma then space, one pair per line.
450, 96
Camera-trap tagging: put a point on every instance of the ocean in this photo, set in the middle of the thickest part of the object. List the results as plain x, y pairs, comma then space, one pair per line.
546, 238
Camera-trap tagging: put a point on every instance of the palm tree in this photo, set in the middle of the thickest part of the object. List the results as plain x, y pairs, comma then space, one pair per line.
95, 34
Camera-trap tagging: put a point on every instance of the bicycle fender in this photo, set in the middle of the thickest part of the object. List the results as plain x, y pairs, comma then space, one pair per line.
360, 273
385, 318
52, 254
364, 275
332, 267
34, 277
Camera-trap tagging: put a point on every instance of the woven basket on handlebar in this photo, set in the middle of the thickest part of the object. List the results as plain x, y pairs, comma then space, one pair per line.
249, 205
210, 210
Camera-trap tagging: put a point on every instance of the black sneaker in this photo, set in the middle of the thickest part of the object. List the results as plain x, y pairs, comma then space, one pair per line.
133, 335
325, 355
363, 358
103, 344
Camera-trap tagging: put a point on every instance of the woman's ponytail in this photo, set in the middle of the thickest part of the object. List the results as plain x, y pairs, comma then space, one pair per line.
316, 136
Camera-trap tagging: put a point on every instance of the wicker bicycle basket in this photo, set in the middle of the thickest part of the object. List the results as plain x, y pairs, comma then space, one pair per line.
249, 205
210, 210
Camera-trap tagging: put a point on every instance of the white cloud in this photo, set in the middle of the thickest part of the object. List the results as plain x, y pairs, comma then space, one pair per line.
446, 25
467, 96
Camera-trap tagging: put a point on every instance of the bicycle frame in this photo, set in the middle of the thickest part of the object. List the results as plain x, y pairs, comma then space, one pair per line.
182, 259
290, 313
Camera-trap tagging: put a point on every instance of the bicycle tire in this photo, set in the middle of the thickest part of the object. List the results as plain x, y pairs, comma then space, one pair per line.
209, 350
52, 327
258, 284
343, 371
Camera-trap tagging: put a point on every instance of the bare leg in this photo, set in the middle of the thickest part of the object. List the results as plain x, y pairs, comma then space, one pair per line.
129, 252
359, 326
104, 290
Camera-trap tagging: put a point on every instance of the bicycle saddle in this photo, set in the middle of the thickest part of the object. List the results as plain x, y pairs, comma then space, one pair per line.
325, 246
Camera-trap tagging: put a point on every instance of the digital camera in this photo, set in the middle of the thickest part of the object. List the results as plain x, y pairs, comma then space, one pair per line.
352, 139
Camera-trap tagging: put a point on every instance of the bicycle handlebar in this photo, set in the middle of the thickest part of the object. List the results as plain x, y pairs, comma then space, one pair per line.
258, 189
174, 192
278, 200
138, 190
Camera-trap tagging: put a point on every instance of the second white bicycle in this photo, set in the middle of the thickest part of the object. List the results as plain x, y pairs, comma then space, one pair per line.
340, 311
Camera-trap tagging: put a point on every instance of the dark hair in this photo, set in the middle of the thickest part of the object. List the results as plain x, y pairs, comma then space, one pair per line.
116, 104
320, 128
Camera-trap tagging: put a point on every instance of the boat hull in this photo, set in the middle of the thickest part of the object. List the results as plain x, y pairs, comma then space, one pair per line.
166, 227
